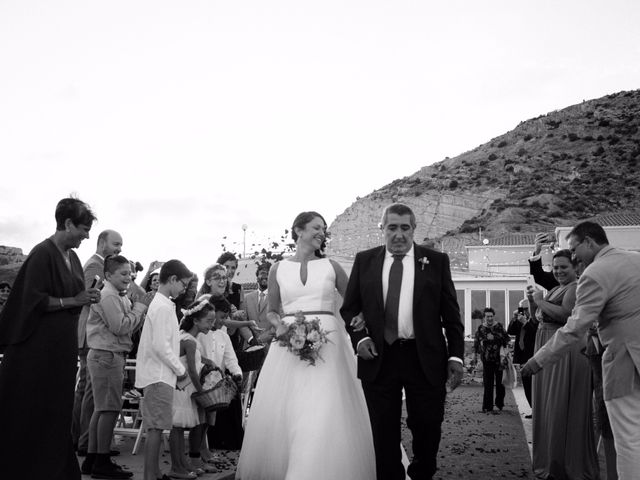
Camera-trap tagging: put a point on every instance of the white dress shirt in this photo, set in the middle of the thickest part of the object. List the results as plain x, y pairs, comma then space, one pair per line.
158, 358
216, 346
405, 309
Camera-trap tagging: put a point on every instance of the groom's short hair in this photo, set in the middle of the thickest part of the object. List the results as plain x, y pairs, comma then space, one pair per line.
398, 209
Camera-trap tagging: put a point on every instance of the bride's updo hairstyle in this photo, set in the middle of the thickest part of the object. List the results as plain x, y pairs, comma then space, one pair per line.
301, 222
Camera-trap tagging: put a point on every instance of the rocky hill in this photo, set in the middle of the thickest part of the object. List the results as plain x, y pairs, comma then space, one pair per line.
552, 170
11, 259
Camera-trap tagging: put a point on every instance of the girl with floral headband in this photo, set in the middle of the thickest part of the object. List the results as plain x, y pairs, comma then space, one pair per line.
198, 318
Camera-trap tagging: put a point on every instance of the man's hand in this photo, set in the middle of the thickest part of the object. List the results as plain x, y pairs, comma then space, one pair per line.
455, 370
530, 368
367, 350
357, 323
182, 377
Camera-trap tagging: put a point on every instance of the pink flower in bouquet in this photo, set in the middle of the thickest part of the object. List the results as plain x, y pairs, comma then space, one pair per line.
297, 342
303, 337
282, 329
313, 336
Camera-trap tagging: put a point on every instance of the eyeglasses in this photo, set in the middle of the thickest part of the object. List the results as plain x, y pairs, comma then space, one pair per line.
573, 250
219, 277
184, 284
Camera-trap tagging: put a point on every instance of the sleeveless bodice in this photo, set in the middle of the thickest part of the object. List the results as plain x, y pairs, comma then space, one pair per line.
198, 356
318, 294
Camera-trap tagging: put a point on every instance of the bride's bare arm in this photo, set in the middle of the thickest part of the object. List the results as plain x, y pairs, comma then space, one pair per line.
341, 277
273, 297
357, 322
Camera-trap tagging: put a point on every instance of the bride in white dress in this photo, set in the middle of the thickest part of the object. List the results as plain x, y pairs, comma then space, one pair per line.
308, 422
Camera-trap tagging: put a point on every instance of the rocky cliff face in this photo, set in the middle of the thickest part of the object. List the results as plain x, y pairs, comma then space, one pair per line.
437, 213
11, 259
552, 170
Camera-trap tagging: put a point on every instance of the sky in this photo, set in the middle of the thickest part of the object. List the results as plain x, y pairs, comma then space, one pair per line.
180, 122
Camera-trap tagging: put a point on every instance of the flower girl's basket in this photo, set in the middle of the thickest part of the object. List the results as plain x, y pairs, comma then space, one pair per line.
218, 397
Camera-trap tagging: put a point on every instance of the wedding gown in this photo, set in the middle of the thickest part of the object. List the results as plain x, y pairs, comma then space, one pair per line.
308, 422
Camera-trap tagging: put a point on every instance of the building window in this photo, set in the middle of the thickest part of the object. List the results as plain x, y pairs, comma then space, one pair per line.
496, 301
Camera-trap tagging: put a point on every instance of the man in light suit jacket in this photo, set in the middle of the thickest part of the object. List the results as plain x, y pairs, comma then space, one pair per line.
406, 296
608, 293
256, 305
109, 243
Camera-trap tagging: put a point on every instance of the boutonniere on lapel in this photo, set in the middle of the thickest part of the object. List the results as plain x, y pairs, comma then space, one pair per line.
423, 261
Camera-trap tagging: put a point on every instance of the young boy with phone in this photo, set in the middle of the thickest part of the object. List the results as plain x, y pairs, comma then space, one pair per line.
109, 328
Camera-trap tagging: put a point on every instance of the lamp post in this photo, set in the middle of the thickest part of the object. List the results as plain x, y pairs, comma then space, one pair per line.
244, 240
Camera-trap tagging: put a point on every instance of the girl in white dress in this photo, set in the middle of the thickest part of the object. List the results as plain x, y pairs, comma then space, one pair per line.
198, 318
308, 422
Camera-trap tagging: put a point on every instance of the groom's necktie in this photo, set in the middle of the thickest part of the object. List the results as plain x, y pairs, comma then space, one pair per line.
260, 300
393, 300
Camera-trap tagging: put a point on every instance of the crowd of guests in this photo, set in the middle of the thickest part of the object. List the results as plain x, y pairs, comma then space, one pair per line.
184, 341
557, 332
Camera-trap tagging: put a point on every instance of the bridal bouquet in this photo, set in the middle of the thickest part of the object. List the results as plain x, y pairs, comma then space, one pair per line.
303, 337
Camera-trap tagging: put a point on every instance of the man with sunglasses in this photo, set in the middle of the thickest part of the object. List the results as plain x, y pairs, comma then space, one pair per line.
609, 294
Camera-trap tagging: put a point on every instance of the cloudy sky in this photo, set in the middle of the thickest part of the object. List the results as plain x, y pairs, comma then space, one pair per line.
178, 122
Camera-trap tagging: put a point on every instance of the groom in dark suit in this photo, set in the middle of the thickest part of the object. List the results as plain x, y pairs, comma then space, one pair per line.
406, 296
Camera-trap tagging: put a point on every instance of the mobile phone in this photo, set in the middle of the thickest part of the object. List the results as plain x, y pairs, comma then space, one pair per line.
520, 309
96, 279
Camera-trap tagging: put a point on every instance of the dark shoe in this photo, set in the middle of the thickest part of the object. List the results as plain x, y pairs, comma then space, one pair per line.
110, 471
81, 453
484, 410
528, 416
87, 465
114, 453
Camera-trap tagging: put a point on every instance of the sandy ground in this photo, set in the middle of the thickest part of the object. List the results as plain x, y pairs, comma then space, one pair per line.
474, 445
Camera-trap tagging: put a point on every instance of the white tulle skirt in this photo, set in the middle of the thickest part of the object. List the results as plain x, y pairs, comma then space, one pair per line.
185, 410
309, 422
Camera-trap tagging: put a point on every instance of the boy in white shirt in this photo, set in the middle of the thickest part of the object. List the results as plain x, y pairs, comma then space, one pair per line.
218, 349
158, 366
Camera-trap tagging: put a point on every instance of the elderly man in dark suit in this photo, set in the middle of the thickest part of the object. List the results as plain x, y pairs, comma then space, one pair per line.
109, 243
406, 296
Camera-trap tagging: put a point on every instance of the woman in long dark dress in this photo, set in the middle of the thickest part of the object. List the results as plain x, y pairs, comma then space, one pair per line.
39, 339
563, 436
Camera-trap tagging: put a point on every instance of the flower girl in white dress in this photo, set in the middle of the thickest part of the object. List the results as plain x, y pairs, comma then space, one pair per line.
308, 422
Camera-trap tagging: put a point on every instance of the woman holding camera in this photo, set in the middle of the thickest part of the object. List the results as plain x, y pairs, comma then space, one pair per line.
563, 437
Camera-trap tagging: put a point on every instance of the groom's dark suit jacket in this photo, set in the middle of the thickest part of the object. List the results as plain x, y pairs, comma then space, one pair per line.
435, 307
